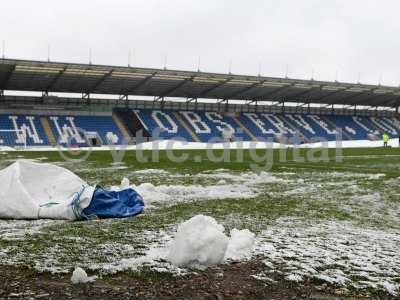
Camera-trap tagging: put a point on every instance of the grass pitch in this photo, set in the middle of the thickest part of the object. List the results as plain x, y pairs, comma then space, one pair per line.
334, 221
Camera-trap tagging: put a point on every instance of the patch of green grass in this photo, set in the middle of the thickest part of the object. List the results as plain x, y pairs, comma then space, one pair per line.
365, 160
325, 197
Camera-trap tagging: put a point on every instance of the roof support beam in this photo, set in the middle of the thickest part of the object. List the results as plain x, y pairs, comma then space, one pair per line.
158, 99
134, 88
7, 77
275, 93
251, 101
178, 86
188, 100
327, 105
209, 90
99, 82
345, 99
397, 103
355, 110
276, 103
388, 101
55, 79
86, 96
347, 106
303, 93
360, 95
320, 100
246, 89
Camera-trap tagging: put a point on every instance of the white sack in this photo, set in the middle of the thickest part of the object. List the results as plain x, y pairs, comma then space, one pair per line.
30, 190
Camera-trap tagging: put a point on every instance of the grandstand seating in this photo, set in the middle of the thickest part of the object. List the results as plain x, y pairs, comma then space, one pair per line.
13, 129
212, 125
75, 128
65, 129
268, 126
191, 126
162, 124
209, 126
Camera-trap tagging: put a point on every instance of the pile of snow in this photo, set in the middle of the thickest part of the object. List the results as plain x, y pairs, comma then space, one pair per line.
201, 242
181, 145
351, 144
240, 245
80, 276
247, 178
6, 148
179, 193
151, 172
244, 185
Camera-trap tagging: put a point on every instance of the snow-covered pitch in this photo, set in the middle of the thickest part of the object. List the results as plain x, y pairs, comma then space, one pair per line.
334, 222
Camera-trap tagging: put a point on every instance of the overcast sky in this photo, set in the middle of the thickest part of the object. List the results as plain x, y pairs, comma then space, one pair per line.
343, 39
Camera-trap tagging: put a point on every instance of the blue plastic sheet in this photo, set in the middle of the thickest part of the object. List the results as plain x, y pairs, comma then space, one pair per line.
114, 204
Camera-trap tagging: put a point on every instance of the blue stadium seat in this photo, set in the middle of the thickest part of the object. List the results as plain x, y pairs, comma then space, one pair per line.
213, 126
351, 129
302, 124
169, 124
35, 135
271, 127
163, 124
390, 126
257, 126
76, 127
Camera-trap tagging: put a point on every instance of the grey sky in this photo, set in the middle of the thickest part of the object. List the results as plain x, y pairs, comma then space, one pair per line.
329, 36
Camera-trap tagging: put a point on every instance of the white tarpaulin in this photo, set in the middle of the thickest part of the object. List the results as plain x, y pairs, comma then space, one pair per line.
30, 190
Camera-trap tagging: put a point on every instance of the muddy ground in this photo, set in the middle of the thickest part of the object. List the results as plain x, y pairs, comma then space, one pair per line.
232, 281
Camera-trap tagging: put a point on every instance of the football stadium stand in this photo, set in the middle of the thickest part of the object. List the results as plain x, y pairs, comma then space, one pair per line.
201, 126
261, 111
40, 130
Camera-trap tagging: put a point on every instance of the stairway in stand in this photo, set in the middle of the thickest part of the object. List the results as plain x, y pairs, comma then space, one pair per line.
187, 127
46, 126
121, 128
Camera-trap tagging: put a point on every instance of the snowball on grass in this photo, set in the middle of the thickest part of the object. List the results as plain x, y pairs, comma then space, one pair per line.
221, 182
199, 242
80, 276
241, 244
294, 277
124, 183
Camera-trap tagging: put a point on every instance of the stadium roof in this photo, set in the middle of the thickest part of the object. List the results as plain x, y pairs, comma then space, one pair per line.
24, 75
